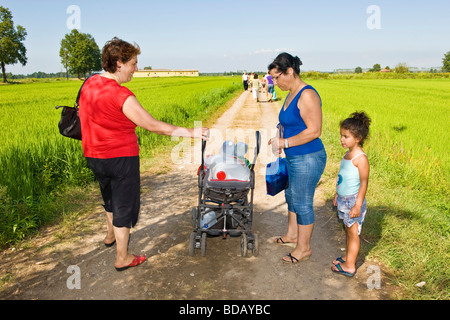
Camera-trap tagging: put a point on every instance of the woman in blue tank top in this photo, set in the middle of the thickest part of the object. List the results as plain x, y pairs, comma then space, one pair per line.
300, 126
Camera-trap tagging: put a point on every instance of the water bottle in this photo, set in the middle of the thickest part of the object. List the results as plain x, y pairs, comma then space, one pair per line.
236, 170
241, 149
228, 147
208, 220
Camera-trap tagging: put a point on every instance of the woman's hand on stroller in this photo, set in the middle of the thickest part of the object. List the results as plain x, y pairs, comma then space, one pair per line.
276, 146
202, 133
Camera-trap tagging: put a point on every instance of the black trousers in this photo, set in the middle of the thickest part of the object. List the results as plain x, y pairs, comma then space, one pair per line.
119, 180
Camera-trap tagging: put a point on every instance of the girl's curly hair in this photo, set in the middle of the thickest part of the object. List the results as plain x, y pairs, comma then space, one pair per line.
358, 124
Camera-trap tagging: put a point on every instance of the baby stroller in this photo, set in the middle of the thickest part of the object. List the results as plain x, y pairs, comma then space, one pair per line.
226, 184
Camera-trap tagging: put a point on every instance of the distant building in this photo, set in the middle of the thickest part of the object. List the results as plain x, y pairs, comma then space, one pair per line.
385, 70
344, 71
155, 73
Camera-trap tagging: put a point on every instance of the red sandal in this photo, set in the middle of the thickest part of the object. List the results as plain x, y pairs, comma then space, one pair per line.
136, 261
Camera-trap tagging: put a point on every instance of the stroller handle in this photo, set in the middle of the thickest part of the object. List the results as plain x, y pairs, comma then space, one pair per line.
257, 149
203, 153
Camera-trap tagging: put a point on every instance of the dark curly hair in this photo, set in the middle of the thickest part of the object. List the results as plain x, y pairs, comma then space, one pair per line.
118, 50
358, 124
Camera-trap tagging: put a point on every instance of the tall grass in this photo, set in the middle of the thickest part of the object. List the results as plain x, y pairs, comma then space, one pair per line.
38, 165
408, 222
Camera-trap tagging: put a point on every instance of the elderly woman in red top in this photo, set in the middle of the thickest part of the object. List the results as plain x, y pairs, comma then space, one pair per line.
109, 114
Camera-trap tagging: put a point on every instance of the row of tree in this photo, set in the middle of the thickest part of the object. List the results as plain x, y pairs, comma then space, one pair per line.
80, 54
399, 68
38, 75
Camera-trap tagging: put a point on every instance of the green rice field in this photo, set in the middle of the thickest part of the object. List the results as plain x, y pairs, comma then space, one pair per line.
37, 164
408, 223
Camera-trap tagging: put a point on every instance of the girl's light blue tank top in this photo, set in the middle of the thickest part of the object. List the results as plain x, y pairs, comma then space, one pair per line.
348, 178
293, 124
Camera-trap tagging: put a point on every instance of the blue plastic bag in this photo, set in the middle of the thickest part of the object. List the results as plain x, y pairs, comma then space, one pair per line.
277, 176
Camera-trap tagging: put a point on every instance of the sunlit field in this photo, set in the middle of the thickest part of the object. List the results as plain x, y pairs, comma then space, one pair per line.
37, 163
408, 222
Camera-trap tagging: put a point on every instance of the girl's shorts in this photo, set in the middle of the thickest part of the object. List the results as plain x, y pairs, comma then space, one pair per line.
344, 205
304, 175
119, 180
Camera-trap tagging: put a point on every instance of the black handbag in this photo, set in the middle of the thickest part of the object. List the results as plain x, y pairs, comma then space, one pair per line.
70, 125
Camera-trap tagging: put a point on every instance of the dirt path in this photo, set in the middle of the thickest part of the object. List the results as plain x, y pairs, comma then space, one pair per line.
41, 272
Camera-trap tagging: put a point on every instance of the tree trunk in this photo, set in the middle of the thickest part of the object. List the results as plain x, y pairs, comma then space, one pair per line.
4, 73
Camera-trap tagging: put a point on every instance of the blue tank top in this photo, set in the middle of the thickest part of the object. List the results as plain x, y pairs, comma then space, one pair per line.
292, 124
348, 178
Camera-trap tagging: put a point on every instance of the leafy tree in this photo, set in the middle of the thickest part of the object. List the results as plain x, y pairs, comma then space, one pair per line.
401, 68
358, 70
446, 62
12, 49
376, 68
80, 54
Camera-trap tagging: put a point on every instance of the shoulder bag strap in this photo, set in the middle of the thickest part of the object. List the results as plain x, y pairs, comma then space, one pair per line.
79, 91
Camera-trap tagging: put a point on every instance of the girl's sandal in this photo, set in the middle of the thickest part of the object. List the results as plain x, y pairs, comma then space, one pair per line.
339, 260
341, 271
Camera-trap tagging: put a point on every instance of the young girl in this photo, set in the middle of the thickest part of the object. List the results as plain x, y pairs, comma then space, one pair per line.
351, 188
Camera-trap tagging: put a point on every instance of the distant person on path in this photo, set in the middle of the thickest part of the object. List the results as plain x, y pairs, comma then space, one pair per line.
245, 81
301, 126
255, 87
109, 114
263, 84
270, 87
250, 79
351, 188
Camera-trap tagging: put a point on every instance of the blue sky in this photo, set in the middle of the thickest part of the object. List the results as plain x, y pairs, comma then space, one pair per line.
230, 35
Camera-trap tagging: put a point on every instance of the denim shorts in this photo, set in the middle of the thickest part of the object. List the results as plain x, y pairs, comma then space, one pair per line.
344, 205
304, 174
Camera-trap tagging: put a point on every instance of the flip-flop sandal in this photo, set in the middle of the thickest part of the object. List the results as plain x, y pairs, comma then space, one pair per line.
341, 271
294, 259
109, 245
339, 259
283, 243
136, 261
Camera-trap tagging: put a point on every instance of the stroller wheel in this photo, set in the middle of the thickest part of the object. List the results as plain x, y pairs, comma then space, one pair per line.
244, 243
192, 243
194, 217
203, 244
255, 249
